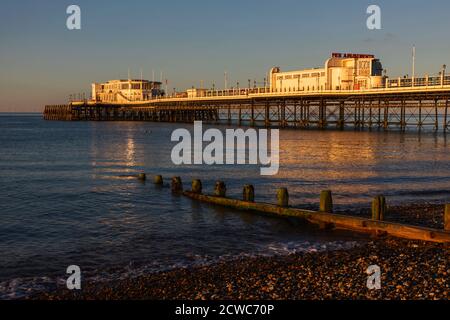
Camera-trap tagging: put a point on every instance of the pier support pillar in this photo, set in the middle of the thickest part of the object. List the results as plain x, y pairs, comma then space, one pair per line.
341, 121
240, 115
445, 127
252, 123
267, 114
283, 120
436, 115
386, 115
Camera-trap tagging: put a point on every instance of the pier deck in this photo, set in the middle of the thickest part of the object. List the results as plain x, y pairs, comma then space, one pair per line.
400, 108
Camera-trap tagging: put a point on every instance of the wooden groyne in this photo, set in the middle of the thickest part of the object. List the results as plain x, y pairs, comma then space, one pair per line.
330, 220
325, 217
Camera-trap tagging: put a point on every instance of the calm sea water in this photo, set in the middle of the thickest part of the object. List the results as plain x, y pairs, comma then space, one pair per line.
69, 195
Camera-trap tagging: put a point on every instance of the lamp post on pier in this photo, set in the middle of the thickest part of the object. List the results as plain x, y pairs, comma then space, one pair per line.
413, 80
443, 74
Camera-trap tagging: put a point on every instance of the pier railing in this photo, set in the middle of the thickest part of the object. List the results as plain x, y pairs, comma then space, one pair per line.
261, 92
400, 85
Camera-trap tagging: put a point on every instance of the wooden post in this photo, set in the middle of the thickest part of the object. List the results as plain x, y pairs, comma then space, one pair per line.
177, 185
326, 201
142, 176
220, 189
158, 180
197, 186
447, 218
379, 208
249, 193
283, 197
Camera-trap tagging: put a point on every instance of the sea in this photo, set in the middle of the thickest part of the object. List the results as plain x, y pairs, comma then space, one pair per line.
69, 195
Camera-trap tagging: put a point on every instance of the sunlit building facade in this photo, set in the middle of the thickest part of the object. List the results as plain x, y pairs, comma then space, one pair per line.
123, 91
340, 72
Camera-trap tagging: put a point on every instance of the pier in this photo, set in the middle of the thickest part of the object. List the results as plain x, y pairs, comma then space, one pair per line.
385, 108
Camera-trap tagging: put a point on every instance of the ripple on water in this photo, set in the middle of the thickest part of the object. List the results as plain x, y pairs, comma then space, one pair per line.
68, 195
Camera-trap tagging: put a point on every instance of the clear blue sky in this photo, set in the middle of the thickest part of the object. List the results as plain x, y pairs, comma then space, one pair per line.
42, 62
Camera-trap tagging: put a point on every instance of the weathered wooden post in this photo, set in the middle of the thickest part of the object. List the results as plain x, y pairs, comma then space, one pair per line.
283, 197
197, 186
142, 176
249, 193
379, 208
177, 185
158, 180
326, 201
220, 190
447, 218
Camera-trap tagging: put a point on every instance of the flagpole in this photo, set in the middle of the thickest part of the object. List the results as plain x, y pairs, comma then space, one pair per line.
226, 80
142, 91
414, 66
129, 85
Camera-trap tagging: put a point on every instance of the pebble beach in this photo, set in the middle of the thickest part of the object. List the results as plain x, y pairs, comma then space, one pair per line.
409, 270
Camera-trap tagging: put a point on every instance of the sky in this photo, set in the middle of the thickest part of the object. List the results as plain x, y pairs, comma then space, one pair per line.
42, 62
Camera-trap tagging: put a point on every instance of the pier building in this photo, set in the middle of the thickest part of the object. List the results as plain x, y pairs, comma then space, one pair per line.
123, 91
343, 71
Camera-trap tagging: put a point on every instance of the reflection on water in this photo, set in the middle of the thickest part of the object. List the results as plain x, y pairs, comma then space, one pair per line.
130, 152
358, 165
69, 195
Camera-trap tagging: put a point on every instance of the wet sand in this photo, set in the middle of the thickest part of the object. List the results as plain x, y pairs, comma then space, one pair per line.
409, 270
